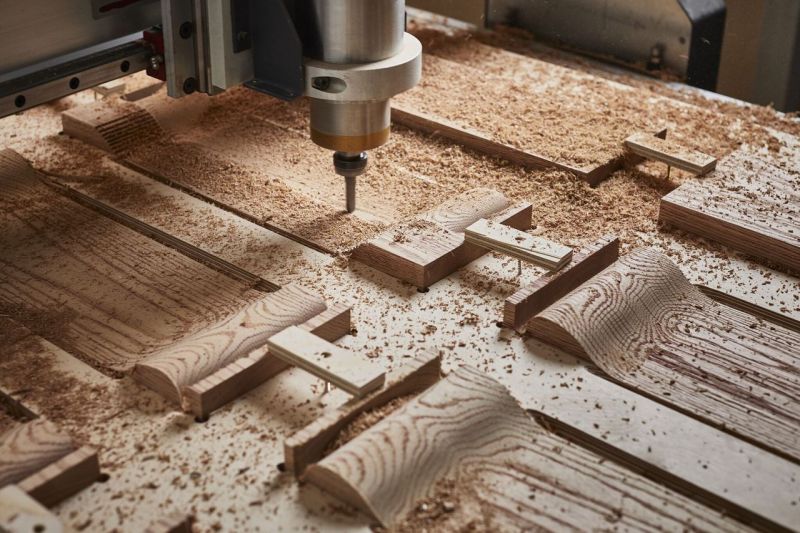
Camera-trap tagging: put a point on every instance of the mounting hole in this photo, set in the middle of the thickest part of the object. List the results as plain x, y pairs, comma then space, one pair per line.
125, 66
74, 83
185, 31
499, 324
189, 85
281, 467
102, 478
38, 528
19, 101
201, 419
423, 290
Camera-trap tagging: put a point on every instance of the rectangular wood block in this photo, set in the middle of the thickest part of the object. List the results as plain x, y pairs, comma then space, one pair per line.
518, 244
671, 153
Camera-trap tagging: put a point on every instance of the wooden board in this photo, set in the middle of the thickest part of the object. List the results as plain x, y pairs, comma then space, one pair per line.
340, 367
671, 153
20, 513
307, 446
529, 301
647, 327
468, 430
749, 204
64, 478
29, 447
200, 355
518, 244
432, 247
253, 369
94, 287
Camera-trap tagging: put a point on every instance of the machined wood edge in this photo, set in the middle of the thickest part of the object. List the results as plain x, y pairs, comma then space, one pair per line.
308, 445
174, 523
518, 244
241, 376
763, 313
529, 301
63, 478
659, 149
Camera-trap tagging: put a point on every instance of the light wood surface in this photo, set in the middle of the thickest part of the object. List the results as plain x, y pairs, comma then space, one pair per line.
671, 153
19, 513
308, 445
748, 204
315, 355
468, 429
253, 369
29, 447
63, 478
518, 244
646, 326
197, 357
528, 301
432, 247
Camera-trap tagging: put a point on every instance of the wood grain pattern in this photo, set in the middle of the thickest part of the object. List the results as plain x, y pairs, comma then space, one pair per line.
63, 478
518, 244
467, 428
200, 355
748, 204
671, 153
113, 125
342, 368
308, 445
20, 513
432, 247
529, 301
99, 290
253, 369
29, 447
646, 326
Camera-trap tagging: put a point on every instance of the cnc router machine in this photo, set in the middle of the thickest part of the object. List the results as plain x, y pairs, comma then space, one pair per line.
348, 56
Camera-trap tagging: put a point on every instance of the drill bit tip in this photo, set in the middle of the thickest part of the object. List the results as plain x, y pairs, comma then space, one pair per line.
350, 165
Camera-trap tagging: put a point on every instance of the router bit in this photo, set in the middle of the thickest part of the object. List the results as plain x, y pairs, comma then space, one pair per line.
350, 165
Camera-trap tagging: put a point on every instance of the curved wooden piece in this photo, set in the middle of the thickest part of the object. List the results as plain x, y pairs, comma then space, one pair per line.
507, 472
645, 325
202, 354
29, 447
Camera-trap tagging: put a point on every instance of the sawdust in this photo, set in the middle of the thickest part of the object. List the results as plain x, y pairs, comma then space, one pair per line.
18, 321
364, 421
7, 421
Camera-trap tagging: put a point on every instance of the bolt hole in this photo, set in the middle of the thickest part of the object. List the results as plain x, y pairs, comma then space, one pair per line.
74, 83
423, 290
201, 419
185, 30
125, 66
38, 528
499, 324
281, 467
102, 478
19, 101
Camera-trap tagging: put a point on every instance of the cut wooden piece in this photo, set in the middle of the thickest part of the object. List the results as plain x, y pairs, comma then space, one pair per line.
19, 513
518, 244
308, 445
748, 204
29, 447
63, 478
467, 433
671, 153
529, 301
647, 327
96, 288
325, 360
200, 355
250, 371
114, 125
174, 523
432, 247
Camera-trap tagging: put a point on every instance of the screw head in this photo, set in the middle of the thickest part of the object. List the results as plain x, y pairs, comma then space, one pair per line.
189, 85
185, 30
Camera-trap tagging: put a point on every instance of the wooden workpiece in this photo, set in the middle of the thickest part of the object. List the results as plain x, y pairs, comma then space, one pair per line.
19, 512
671, 153
325, 360
518, 244
722, 365
748, 204
433, 246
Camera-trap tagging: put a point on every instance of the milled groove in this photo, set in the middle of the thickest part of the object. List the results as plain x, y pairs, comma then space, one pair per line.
179, 245
757, 311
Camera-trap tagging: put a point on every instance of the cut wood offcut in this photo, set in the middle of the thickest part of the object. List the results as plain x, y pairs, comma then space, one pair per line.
671, 153
518, 244
325, 360
431, 247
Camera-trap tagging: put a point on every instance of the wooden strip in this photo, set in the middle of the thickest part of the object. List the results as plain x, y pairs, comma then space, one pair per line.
307, 446
21, 513
327, 361
63, 478
647, 327
529, 301
751, 308
749, 204
29, 447
671, 153
431, 248
175, 523
467, 436
518, 244
194, 358
250, 371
